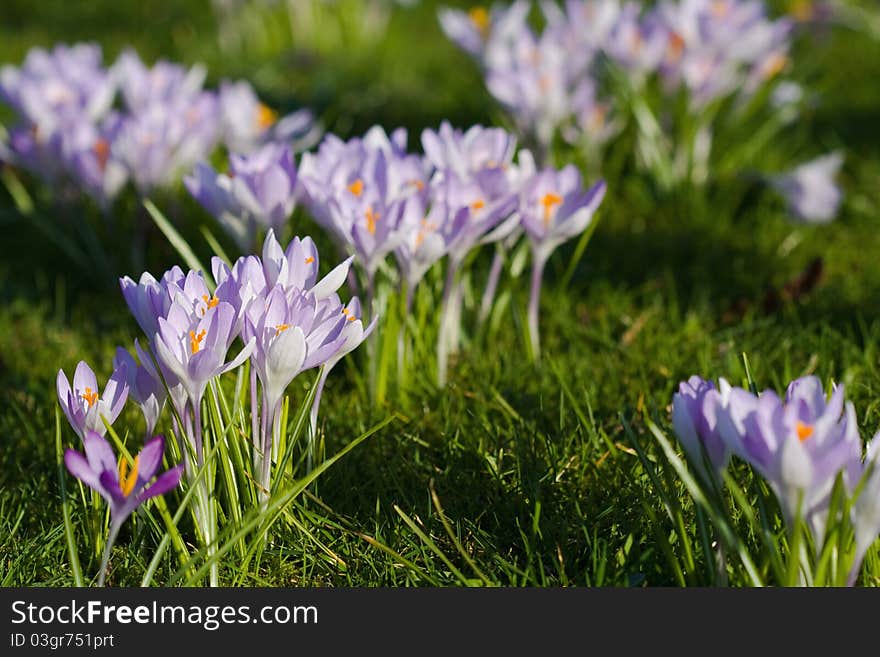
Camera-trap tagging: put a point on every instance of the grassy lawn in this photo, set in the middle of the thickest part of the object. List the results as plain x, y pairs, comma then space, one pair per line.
535, 466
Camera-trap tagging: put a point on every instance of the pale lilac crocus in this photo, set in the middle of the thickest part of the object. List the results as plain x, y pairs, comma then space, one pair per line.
144, 386
194, 349
52, 86
810, 189
357, 191
125, 486
248, 123
159, 142
164, 83
554, 208
149, 299
696, 411
92, 165
291, 332
866, 513
800, 445
257, 193
85, 405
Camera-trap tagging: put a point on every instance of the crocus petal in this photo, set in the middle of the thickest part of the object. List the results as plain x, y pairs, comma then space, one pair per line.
150, 458
165, 482
98, 452
80, 468
332, 281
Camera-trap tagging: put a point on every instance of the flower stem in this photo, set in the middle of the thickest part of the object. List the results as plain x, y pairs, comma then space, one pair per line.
491, 284
447, 318
108, 546
313, 418
538, 263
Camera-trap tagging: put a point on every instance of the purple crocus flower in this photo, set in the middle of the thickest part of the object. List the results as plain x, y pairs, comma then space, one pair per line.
292, 332
866, 514
84, 404
124, 486
810, 190
149, 299
801, 445
257, 192
160, 141
51, 86
696, 411
163, 84
249, 124
92, 165
144, 386
356, 190
554, 208
194, 348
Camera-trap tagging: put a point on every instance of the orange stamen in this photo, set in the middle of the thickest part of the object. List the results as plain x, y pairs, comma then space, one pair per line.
479, 204
195, 341
804, 431
310, 260
774, 65
357, 187
480, 18
676, 46
127, 480
549, 201
372, 218
281, 328
101, 150
91, 397
266, 117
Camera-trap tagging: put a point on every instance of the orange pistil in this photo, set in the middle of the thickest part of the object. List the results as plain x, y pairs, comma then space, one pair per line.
127, 480
479, 204
266, 117
90, 396
213, 301
720, 8
418, 184
804, 431
774, 65
348, 314
310, 260
281, 328
550, 201
101, 149
427, 227
372, 218
357, 187
480, 18
676, 46
195, 341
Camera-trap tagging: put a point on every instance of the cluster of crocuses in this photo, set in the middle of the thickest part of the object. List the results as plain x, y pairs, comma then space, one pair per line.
376, 198
554, 83
98, 127
288, 322
800, 445
550, 82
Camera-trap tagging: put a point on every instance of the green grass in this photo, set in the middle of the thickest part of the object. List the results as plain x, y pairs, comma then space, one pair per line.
532, 465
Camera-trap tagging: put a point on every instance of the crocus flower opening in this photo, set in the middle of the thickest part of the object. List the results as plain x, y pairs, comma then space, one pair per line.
124, 485
144, 385
554, 208
696, 408
800, 445
257, 193
248, 123
84, 405
810, 190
